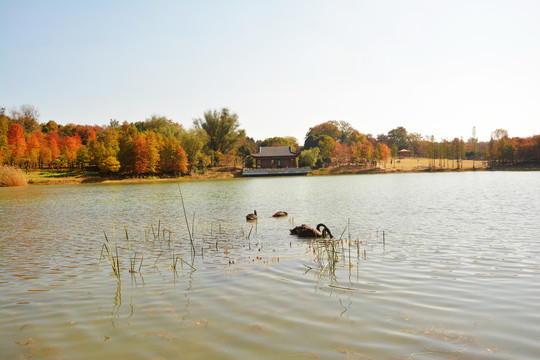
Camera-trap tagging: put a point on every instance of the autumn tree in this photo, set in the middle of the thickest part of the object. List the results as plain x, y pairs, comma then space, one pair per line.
344, 153
88, 133
382, 152
140, 155
153, 144
109, 165
69, 148
173, 158
52, 141
34, 146
16, 143
105, 148
364, 152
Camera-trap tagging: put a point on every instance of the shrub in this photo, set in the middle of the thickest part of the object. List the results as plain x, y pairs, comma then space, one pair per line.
12, 176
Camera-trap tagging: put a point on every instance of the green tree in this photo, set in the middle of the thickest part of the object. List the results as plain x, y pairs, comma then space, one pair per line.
3, 138
415, 141
222, 129
244, 150
193, 142
50, 126
349, 135
398, 136
327, 146
281, 141
126, 154
83, 157
317, 133
309, 157
160, 125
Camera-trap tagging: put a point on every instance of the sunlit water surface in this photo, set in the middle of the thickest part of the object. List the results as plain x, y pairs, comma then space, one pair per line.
432, 266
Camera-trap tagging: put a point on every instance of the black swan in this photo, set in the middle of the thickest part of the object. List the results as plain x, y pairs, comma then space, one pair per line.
307, 231
280, 214
252, 216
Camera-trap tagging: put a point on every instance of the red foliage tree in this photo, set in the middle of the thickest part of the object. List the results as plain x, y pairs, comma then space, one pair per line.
16, 143
140, 155
344, 153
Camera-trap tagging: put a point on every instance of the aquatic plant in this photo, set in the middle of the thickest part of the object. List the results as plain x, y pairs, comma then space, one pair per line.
12, 176
190, 232
112, 257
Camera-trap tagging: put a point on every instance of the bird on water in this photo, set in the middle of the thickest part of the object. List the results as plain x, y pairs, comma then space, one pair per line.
307, 231
252, 216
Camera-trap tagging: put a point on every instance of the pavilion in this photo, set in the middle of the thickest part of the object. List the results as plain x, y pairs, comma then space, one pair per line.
275, 160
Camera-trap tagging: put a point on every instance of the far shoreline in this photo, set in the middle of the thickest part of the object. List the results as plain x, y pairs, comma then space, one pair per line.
405, 166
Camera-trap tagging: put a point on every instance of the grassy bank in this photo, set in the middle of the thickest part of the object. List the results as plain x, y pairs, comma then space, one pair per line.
53, 177
407, 165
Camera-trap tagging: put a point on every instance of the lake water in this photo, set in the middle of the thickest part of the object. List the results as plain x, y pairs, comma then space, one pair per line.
429, 266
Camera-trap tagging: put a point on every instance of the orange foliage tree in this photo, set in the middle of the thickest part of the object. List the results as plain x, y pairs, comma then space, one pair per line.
344, 153
52, 140
69, 148
34, 148
173, 158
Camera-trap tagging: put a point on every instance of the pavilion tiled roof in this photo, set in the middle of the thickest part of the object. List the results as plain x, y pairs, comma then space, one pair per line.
274, 151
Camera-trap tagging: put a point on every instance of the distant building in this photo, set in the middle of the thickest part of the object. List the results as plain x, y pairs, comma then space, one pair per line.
404, 153
275, 160
276, 157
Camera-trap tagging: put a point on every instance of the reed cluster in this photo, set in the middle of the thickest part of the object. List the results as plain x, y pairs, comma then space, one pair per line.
12, 176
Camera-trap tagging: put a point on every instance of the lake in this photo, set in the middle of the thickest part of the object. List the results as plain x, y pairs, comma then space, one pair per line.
422, 266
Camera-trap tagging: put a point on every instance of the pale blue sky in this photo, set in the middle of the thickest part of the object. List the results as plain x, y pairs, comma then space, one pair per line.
435, 67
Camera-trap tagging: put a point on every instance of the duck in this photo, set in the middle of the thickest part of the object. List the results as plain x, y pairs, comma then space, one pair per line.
307, 231
252, 216
280, 214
